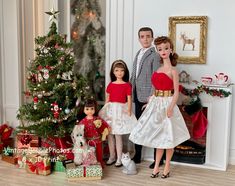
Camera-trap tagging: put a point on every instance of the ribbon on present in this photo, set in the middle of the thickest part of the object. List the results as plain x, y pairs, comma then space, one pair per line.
84, 171
37, 166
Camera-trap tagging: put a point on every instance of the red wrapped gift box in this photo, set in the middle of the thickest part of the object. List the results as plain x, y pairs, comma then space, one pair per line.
26, 140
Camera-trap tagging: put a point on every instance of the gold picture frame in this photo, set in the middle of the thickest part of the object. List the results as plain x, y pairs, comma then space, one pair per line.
189, 35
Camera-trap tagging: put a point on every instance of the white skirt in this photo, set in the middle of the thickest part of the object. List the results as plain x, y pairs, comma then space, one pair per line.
116, 115
154, 129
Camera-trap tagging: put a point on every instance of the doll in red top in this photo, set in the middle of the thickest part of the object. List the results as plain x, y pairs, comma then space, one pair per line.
117, 111
95, 130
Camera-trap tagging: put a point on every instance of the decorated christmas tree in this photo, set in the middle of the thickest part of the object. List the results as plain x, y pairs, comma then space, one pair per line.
55, 94
88, 43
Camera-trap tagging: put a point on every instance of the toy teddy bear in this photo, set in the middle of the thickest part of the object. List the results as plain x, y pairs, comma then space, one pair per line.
102, 129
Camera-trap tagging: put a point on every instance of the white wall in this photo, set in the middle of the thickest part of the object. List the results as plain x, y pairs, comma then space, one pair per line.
10, 61
124, 18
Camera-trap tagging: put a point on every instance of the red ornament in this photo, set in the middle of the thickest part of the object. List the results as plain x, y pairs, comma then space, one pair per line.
57, 45
35, 100
27, 93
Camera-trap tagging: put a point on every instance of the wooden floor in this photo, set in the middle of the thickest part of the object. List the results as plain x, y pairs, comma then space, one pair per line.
180, 176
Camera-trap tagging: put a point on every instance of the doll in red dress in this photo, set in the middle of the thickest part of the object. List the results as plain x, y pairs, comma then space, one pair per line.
95, 130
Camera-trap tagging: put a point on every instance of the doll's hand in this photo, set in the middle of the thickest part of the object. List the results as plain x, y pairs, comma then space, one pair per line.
144, 106
129, 113
104, 134
169, 112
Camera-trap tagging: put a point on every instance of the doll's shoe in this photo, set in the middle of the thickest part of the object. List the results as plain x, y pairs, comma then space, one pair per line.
110, 162
155, 175
165, 175
118, 164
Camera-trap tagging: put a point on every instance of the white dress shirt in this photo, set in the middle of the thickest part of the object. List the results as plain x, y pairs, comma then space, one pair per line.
141, 54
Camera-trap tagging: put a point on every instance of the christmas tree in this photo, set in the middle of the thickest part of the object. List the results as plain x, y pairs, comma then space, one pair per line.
55, 94
88, 43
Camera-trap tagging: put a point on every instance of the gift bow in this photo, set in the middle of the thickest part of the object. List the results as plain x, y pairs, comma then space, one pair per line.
35, 166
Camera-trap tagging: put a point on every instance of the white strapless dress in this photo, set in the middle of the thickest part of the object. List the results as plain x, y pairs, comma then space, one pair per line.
154, 129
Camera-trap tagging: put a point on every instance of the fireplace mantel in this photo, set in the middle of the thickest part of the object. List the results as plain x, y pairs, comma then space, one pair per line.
218, 131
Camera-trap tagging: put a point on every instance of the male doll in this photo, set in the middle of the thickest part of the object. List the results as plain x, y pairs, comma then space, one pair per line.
145, 63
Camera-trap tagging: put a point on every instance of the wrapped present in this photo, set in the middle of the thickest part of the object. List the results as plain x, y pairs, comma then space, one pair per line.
10, 158
59, 167
26, 140
91, 172
76, 172
38, 163
59, 146
59, 164
94, 171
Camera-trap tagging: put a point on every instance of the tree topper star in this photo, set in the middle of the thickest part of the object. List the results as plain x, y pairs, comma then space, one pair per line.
52, 14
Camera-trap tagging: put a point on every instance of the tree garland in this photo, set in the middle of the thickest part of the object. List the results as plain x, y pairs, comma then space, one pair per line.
203, 89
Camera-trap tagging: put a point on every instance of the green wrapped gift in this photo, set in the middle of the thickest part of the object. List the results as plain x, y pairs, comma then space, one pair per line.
94, 171
59, 167
75, 172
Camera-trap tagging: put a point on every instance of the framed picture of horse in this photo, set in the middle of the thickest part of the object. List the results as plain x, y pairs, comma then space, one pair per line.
189, 35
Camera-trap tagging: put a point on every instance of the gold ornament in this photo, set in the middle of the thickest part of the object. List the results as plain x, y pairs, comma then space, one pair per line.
75, 35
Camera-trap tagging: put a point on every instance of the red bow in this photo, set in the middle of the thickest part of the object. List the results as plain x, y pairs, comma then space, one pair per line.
35, 166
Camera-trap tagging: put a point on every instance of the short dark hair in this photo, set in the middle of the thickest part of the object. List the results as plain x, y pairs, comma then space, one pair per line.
119, 64
145, 29
91, 103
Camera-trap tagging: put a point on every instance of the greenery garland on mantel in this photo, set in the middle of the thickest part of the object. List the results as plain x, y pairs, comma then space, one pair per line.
204, 89
194, 105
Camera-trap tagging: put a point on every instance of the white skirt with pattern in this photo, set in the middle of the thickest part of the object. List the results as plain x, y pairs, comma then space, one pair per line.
116, 115
154, 129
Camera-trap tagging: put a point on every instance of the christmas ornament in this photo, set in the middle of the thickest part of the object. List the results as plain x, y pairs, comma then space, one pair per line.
52, 14
27, 93
78, 102
40, 79
75, 35
45, 73
67, 75
39, 96
35, 101
62, 58
56, 110
67, 111
56, 45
